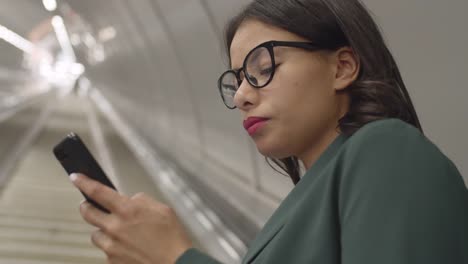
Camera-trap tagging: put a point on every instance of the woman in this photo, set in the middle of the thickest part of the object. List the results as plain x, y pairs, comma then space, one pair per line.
315, 83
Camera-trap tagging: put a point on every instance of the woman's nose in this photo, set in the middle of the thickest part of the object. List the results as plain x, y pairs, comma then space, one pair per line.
246, 96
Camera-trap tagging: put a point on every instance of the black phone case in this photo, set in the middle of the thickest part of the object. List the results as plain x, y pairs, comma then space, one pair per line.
75, 157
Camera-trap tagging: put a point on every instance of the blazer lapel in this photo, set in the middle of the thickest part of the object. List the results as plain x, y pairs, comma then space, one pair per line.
279, 217
262, 240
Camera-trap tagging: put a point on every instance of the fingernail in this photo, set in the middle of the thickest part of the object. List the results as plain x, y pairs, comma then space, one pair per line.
73, 177
83, 204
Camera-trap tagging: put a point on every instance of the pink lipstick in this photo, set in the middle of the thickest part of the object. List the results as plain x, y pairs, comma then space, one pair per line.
252, 124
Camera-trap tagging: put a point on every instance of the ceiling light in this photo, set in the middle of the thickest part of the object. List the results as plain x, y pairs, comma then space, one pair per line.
50, 5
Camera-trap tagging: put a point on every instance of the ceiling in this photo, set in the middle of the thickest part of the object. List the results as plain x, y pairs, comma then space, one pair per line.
20, 16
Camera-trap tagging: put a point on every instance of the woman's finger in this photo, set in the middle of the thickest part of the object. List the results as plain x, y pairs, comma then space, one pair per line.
95, 217
116, 253
101, 240
100, 193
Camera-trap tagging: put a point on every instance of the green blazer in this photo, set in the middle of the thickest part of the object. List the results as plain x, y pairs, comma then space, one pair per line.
384, 195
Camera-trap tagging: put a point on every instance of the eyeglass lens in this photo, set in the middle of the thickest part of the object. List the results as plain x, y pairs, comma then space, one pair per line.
258, 70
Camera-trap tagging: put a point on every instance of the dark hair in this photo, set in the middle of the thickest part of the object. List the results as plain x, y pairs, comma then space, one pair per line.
377, 93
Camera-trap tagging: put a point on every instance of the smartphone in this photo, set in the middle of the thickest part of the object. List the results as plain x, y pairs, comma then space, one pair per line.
75, 157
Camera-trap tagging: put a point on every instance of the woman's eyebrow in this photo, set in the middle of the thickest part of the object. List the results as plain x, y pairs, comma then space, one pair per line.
254, 56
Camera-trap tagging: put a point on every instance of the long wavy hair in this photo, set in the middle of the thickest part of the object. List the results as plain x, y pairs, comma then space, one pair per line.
377, 93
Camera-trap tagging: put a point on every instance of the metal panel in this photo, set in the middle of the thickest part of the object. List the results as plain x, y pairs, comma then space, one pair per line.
198, 45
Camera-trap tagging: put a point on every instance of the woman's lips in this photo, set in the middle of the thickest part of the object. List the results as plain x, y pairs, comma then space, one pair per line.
252, 124
253, 128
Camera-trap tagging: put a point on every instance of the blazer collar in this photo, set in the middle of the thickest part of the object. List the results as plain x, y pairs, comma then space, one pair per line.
279, 217
269, 231
329, 153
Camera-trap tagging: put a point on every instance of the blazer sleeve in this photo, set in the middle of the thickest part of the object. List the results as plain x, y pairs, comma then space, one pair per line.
401, 200
194, 256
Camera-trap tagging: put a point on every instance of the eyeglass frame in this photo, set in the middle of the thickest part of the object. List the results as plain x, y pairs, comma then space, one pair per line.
269, 45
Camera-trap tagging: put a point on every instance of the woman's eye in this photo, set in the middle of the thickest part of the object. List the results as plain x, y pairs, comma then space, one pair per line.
269, 70
229, 87
266, 71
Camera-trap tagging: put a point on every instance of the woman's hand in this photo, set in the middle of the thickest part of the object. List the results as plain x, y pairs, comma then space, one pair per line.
139, 230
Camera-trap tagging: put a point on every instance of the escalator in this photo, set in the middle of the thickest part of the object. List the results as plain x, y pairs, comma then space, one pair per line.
39, 216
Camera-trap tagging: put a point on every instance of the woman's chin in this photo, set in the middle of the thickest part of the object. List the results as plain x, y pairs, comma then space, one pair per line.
271, 150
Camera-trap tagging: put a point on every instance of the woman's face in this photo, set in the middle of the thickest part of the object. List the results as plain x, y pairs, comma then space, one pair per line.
302, 101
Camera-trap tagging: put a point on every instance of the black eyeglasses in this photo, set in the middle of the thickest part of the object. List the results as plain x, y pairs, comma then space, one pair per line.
258, 69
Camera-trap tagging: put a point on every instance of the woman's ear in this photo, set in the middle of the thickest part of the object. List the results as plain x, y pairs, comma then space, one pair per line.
347, 68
